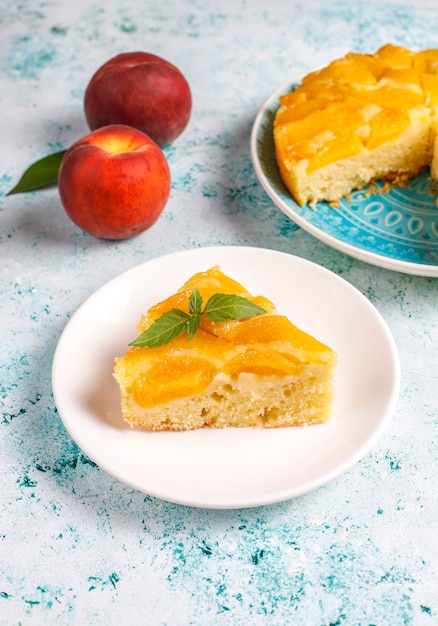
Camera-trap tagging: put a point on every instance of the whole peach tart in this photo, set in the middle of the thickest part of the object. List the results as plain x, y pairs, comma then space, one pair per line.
362, 118
259, 370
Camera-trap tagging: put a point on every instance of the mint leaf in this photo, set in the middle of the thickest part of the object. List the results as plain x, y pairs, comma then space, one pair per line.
169, 326
222, 307
40, 174
195, 302
193, 324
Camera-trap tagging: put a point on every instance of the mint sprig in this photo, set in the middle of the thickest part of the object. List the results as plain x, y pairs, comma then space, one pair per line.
220, 307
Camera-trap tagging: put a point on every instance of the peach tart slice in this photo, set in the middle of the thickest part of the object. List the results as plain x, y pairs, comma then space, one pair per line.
259, 370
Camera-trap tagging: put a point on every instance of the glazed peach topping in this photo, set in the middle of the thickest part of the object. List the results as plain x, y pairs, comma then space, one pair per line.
258, 345
363, 99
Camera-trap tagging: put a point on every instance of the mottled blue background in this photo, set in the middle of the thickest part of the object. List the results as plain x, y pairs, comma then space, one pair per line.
78, 547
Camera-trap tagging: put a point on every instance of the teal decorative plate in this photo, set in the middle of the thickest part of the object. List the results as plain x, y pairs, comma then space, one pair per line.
397, 230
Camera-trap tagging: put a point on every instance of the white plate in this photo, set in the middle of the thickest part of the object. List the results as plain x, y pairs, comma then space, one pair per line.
228, 468
397, 230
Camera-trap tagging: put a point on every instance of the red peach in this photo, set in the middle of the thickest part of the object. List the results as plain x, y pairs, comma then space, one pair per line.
141, 90
114, 182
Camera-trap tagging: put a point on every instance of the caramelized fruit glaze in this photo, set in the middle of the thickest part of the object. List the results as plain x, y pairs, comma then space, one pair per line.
258, 345
354, 104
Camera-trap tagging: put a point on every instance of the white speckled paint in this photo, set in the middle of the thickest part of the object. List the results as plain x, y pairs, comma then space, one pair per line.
78, 547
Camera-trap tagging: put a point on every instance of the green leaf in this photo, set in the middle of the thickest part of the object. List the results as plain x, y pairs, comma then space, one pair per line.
222, 307
193, 324
40, 174
195, 302
169, 326
173, 323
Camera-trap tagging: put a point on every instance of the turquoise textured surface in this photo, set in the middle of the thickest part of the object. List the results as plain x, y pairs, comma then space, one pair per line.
79, 547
